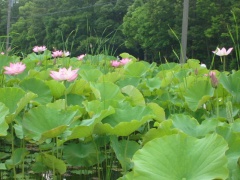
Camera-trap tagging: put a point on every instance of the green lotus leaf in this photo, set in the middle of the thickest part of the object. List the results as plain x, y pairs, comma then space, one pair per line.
182, 74
18, 130
164, 128
192, 64
95, 107
90, 75
43, 75
134, 81
125, 120
110, 77
4, 61
127, 176
166, 77
124, 150
190, 125
57, 88
3, 124
136, 69
168, 66
197, 94
40, 121
106, 91
153, 83
3, 166
127, 55
15, 100
231, 84
136, 97
233, 153
180, 156
16, 158
82, 154
81, 87
86, 127
58, 104
236, 125
52, 162
38, 87
75, 99
10, 96
158, 111
54, 132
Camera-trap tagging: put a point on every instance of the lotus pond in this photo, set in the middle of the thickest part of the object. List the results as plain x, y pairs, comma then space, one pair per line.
132, 120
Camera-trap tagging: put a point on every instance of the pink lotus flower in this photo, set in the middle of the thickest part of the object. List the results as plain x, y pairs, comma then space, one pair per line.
2, 53
39, 49
64, 74
115, 63
125, 61
81, 57
57, 54
223, 51
15, 68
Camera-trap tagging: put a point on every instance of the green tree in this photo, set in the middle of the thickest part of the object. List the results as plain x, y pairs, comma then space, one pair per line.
149, 26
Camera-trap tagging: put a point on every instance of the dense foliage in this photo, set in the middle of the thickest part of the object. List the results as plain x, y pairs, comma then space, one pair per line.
151, 28
90, 117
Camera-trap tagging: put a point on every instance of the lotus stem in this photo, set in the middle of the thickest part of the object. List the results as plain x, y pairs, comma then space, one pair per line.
217, 104
12, 134
224, 63
65, 95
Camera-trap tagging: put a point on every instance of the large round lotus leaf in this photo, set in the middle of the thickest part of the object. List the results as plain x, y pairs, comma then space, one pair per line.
136, 97
44, 122
182, 74
197, 94
168, 66
166, 77
15, 100
10, 97
95, 107
80, 86
38, 87
106, 91
17, 157
57, 88
233, 153
124, 151
231, 84
82, 154
4, 60
153, 83
182, 157
110, 77
51, 162
192, 63
136, 69
39, 74
164, 128
190, 125
90, 74
125, 120
158, 111
134, 81
86, 127
3, 124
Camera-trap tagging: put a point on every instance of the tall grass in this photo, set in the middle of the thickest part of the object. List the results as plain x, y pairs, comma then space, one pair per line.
3, 43
234, 35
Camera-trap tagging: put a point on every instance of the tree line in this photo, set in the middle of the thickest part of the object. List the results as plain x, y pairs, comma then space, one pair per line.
147, 29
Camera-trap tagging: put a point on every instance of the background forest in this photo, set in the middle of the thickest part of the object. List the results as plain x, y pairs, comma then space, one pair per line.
147, 29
